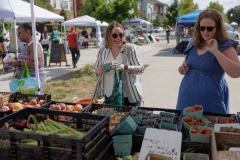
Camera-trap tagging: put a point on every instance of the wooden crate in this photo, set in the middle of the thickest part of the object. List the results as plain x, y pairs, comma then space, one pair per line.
230, 139
4, 98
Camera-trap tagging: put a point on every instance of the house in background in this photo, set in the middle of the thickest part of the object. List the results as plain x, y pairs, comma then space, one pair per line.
151, 8
71, 7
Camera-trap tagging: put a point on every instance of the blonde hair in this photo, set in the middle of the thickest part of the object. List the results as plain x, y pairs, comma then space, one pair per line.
220, 35
109, 34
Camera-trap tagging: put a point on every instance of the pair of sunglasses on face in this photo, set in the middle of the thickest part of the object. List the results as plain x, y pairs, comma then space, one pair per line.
209, 29
121, 35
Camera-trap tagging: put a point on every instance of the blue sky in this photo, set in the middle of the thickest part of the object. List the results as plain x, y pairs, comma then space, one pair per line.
202, 4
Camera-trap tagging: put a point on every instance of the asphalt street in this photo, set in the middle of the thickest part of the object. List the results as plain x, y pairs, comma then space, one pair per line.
160, 80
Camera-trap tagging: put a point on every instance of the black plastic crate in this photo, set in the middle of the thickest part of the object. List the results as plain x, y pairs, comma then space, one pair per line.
197, 147
5, 148
138, 139
93, 107
107, 153
121, 109
47, 105
5, 113
54, 146
15, 97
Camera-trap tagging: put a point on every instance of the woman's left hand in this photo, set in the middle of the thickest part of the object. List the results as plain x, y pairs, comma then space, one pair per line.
121, 67
212, 45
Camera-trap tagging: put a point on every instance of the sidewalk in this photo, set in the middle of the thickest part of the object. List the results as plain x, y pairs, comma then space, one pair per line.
160, 80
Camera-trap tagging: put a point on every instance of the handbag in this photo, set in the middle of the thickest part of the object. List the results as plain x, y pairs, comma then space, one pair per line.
26, 85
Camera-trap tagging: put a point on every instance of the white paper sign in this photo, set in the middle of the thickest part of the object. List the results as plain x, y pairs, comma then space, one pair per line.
8, 59
161, 142
153, 38
218, 126
147, 39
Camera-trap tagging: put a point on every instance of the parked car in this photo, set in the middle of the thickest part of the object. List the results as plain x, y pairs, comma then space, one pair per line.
158, 29
231, 31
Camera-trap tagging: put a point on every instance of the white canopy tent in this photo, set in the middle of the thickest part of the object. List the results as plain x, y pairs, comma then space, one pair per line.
20, 11
233, 24
85, 21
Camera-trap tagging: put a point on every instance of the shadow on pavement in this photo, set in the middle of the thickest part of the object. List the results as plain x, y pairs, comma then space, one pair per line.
168, 52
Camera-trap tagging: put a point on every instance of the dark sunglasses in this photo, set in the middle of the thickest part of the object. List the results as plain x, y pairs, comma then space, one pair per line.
209, 29
116, 35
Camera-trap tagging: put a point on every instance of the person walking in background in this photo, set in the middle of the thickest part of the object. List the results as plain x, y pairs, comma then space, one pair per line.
128, 65
55, 37
209, 56
127, 34
44, 33
168, 31
179, 33
74, 46
85, 34
24, 33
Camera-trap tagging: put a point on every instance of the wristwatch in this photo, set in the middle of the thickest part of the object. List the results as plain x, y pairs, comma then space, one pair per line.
19, 64
125, 66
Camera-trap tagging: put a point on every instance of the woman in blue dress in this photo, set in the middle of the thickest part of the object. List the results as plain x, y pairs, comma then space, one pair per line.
209, 56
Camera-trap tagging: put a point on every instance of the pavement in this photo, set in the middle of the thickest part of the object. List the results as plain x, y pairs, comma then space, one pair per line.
160, 80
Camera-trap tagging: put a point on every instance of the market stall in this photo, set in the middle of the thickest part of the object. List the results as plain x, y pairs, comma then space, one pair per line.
69, 130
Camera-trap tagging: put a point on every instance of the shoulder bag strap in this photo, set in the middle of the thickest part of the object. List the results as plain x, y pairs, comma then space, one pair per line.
26, 70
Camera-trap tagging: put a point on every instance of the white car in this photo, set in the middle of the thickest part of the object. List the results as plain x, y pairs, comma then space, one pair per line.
231, 31
158, 29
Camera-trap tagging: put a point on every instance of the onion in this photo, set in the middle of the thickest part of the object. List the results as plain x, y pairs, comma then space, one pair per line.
21, 124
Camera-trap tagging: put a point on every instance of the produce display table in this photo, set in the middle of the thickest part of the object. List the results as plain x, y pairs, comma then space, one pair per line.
99, 123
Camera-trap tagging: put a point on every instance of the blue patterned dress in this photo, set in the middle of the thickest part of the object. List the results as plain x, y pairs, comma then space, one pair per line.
204, 84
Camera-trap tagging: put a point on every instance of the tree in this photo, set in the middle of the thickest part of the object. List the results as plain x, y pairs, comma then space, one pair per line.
144, 15
158, 21
235, 14
64, 14
172, 14
103, 10
42, 3
217, 6
186, 6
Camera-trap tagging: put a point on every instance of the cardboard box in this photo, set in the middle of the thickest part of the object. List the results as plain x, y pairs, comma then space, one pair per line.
232, 139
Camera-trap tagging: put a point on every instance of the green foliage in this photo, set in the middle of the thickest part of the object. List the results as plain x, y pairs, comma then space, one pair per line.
8, 25
144, 15
104, 10
186, 6
217, 6
172, 14
158, 21
64, 14
235, 14
42, 3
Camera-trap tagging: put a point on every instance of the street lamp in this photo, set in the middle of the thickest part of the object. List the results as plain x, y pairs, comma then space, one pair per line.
231, 14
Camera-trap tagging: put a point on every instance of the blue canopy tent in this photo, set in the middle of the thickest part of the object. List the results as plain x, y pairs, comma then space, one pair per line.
189, 19
137, 22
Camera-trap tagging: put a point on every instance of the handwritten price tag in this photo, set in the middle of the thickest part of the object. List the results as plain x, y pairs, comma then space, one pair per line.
161, 142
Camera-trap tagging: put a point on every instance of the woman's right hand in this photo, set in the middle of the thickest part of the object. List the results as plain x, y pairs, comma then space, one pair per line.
99, 71
183, 69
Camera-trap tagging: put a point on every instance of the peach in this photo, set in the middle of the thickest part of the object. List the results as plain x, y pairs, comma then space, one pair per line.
57, 107
52, 106
41, 101
20, 101
33, 102
4, 108
10, 105
69, 108
78, 107
63, 106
